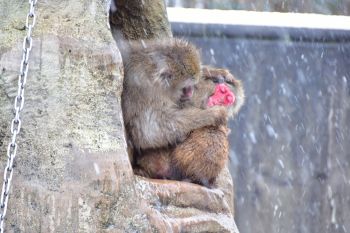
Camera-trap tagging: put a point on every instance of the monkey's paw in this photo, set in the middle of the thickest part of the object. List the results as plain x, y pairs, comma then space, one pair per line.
220, 114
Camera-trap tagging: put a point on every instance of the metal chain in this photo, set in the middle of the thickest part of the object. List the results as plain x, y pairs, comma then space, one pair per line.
16, 122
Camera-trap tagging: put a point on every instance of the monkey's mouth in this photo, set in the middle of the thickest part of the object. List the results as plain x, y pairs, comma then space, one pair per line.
187, 93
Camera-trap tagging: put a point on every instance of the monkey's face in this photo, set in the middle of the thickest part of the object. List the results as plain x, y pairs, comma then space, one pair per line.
185, 90
185, 73
179, 87
176, 67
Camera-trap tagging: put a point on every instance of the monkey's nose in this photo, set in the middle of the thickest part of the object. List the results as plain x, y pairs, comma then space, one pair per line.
187, 91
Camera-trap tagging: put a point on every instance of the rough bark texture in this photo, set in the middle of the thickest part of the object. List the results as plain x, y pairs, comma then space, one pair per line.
138, 19
72, 170
144, 19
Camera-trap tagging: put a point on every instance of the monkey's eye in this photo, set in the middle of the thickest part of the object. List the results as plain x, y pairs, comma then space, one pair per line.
166, 75
219, 79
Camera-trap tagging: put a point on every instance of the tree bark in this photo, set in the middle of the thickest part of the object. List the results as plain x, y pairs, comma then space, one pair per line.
140, 19
72, 171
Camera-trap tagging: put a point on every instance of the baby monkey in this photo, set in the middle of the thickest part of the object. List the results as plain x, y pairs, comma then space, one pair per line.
160, 77
204, 153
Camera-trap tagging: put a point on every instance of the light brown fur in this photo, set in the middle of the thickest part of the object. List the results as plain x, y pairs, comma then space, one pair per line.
204, 153
156, 74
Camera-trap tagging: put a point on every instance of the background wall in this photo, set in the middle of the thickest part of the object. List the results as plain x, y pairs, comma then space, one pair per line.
337, 7
290, 148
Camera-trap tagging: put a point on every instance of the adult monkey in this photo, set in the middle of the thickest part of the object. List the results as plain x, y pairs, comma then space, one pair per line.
160, 77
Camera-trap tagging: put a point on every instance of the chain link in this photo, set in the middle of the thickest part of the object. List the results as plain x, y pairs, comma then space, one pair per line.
18, 106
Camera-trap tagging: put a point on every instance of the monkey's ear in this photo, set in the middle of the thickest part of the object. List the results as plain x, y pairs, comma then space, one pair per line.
166, 74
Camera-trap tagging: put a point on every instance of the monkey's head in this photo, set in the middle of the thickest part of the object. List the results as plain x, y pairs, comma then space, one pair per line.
207, 86
183, 70
170, 66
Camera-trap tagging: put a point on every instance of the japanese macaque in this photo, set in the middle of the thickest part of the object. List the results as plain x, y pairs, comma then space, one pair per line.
204, 153
160, 77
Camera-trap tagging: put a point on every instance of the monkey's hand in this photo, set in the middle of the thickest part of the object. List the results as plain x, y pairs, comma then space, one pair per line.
220, 114
224, 129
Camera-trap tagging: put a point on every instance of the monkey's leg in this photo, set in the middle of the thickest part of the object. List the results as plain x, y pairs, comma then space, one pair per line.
202, 155
154, 163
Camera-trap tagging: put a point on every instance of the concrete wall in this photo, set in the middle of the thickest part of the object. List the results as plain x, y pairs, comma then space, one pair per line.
290, 150
335, 7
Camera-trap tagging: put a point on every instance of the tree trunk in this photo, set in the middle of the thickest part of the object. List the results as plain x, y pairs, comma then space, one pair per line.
140, 19
72, 170
136, 20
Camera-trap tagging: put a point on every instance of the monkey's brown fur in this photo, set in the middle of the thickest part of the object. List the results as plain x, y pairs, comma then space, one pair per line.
159, 76
204, 153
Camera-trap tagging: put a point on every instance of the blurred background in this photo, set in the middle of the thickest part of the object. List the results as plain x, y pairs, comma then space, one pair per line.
290, 144
329, 7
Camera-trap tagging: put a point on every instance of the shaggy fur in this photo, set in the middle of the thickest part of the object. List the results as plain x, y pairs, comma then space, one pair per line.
204, 153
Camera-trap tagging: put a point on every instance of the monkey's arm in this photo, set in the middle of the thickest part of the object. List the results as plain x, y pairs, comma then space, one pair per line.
154, 128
